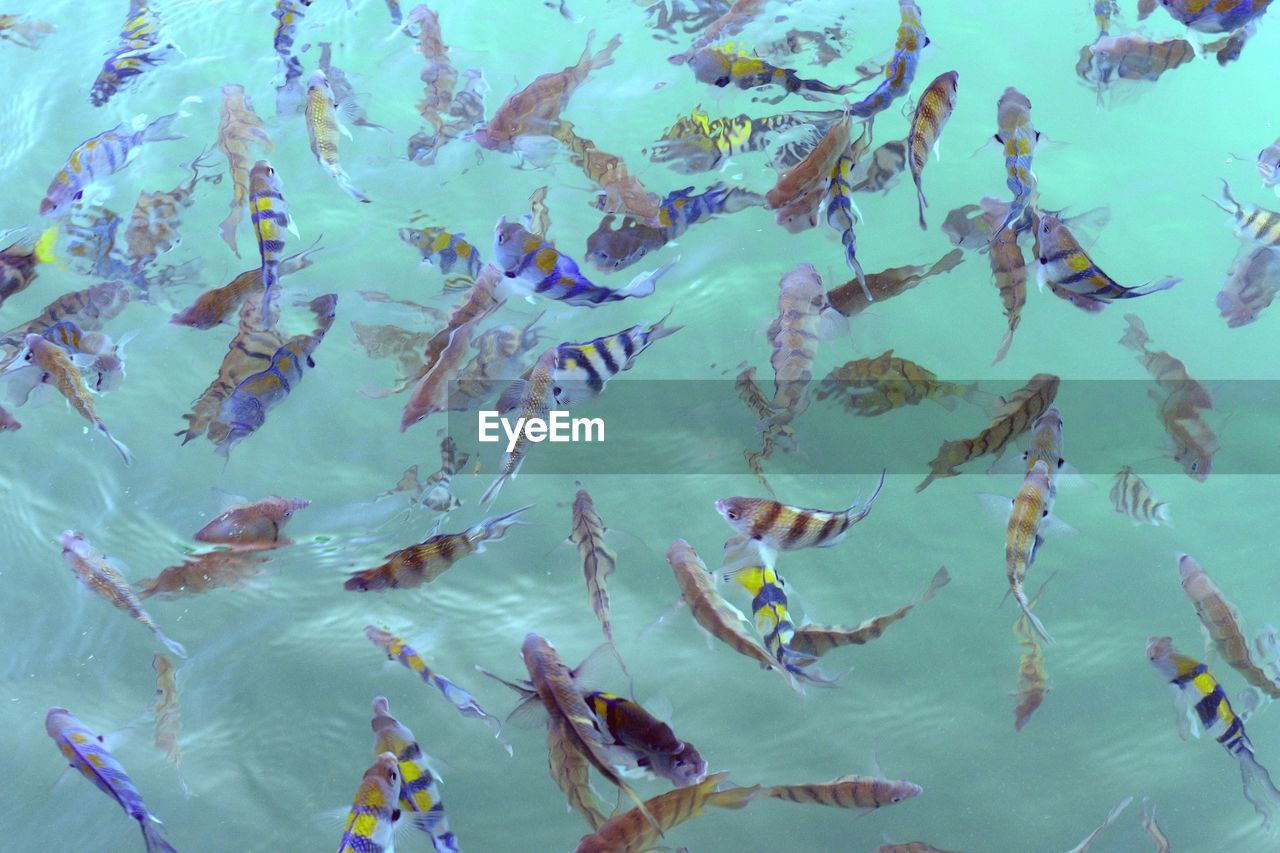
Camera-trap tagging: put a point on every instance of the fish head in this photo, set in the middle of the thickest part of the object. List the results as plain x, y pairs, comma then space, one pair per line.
320, 83
1269, 164
59, 199
384, 776
58, 719
1160, 652
263, 177
686, 767
741, 513
508, 244
899, 791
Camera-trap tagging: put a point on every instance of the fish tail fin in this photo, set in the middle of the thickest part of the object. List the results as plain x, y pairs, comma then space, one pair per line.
1253, 772
1225, 200
492, 492
660, 329
1156, 287
1004, 347
161, 129
119, 445
227, 230
644, 284
922, 202
604, 57
172, 645
734, 798
1161, 516
152, 838
1031, 617
349, 188
851, 258
1135, 335
44, 246
496, 528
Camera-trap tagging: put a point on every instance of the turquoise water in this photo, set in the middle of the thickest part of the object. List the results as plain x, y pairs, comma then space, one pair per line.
276, 693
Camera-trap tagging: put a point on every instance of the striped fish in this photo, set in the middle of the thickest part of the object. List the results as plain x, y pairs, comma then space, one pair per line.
437, 492
288, 14
87, 755
535, 401
655, 746
443, 249
422, 563
419, 793
323, 129
1130, 57
598, 562
1132, 497
810, 642
863, 793
680, 208
901, 70
438, 75
1254, 223
238, 128
99, 157
1064, 264
787, 528
244, 411
699, 143
875, 386
582, 369
533, 265
840, 207
638, 829
1196, 690
89, 309
370, 823
1269, 165
270, 217
1018, 137
882, 170
1222, 621
54, 366
139, 49
1022, 539
1215, 16
933, 110
729, 64
1251, 285
216, 305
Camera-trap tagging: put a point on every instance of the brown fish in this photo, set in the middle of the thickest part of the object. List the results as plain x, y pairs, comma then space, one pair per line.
1033, 683
814, 169
622, 192
168, 714
216, 305
20, 261
1019, 412
431, 393
223, 569
631, 832
850, 300
153, 225
933, 110
239, 128
598, 562
816, 640
253, 525
1251, 285
1222, 622
864, 793
89, 309
439, 77
803, 318
570, 770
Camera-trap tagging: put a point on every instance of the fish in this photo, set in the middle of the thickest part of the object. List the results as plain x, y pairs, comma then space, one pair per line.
1215, 16
156, 218
565, 707
863, 793
138, 50
324, 130
534, 110
345, 99
813, 169
1018, 413
1018, 137
621, 191
168, 713
717, 617
572, 773
201, 573
1195, 688
1065, 264
1131, 496
803, 319
825, 44
1085, 845
1222, 621
57, 369
1033, 683
533, 265
215, 306
244, 411
444, 249
397, 649
630, 832
746, 564
423, 563
23, 31
391, 341
87, 755
437, 491
270, 216
657, 748
1130, 57
726, 64
699, 143
253, 525
431, 393
238, 128
1031, 505
1251, 285
419, 792
875, 386
1145, 8
598, 562
20, 262
98, 158
850, 300
881, 171
1252, 223
841, 209
737, 16
535, 402
288, 15
371, 821
813, 641
933, 110
1103, 12
1153, 829
500, 353
1008, 268
1269, 165
583, 369
439, 77
901, 69
465, 112
1046, 446
97, 573
1180, 412
539, 213
780, 527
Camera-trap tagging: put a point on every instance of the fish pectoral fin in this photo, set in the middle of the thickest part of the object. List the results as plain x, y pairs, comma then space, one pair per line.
996, 507
1052, 525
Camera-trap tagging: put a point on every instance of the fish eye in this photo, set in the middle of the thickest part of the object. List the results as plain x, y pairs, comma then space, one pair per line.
721, 82
78, 195
1195, 465
1061, 461
1045, 514
556, 390
731, 514
502, 238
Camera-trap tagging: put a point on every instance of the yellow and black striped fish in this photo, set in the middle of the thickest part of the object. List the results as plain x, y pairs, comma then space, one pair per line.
1258, 224
788, 528
270, 216
1132, 496
583, 369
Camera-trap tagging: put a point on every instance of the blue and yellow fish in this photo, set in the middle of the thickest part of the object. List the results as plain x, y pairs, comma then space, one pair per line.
91, 758
1064, 265
444, 249
840, 208
371, 821
419, 795
536, 266
1018, 137
96, 158
901, 70
728, 64
583, 369
1215, 16
270, 216
1196, 689
139, 50
288, 14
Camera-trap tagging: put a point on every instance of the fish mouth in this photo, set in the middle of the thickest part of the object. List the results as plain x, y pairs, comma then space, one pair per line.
48, 207
721, 506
